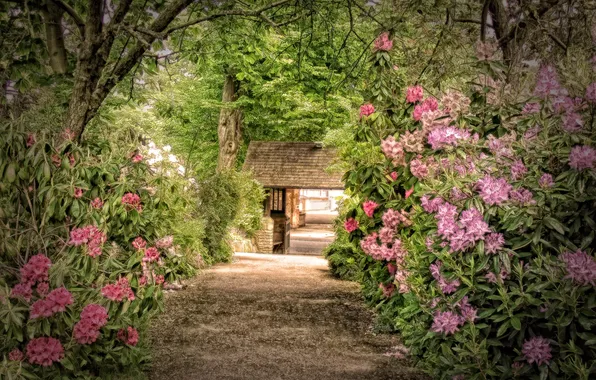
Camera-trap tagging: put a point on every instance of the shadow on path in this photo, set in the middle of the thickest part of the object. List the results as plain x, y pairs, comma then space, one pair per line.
271, 317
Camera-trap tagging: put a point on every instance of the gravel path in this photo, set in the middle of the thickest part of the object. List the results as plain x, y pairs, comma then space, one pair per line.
270, 317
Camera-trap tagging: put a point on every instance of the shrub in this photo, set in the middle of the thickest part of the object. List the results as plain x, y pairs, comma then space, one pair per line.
479, 226
88, 240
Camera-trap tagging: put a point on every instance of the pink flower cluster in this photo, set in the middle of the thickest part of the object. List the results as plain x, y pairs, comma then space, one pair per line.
582, 157
369, 207
139, 243
531, 108
129, 336
78, 192
55, 302
367, 109
547, 83
392, 219
30, 140
537, 350
118, 291
444, 136
97, 203
16, 355
493, 242
383, 42
151, 255
351, 225
447, 287
572, 122
581, 267
387, 289
385, 251
93, 318
455, 103
44, 351
415, 94
429, 104
165, 242
522, 196
132, 201
36, 270
418, 168
137, 158
393, 150
449, 322
518, 170
91, 236
546, 181
591, 93
493, 191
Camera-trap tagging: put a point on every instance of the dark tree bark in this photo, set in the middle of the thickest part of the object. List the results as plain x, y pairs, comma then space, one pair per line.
229, 130
52, 16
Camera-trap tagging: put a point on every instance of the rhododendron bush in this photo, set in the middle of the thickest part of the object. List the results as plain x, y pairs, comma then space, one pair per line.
89, 240
476, 214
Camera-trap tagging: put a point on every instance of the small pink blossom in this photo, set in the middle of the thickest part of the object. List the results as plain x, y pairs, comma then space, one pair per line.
369, 207
581, 267
16, 355
132, 201
118, 291
387, 289
139, 243
383, 42
414, 94
151, 255
78, 192
160, 279
572, 122
30, 140
96, 314
447, 136
85, 332
97, 203
531, 108
537, 350
137, 158
546, 181
409, 192
518, 170
591, 93
165, 242
22, 290
351, 225
129, 336
446, 322
44, 351
393, 175
582, 157
367, 110
42, 289
36, 269
493, 242
493, 191
393, 150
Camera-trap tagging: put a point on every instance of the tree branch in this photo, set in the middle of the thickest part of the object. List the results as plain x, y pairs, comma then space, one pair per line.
78, 20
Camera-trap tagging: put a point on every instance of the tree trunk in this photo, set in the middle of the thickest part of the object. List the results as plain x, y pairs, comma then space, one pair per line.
52, 16
229, 130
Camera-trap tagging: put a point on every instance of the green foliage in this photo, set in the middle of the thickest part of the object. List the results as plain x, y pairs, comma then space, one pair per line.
250, 207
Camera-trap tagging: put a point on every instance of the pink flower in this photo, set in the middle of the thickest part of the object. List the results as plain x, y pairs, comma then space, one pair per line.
78, 192
491, 277
132, 201
383, 43
58, 299
137, 158
165, 242
572, 122
139, 243
22, 290
537, 350
447, 136
30, 140
392, 268
493, 242
467, 311
393, 150
143, 280
351, 225
430, 104
531, 108
591, 93
414, 94
546, 181
387, 289
56, 160
493, 191
129, 336
418, 168
522, 196
581, 267
392, 218
367, 109
547, 83
582, 157
393, 175
369, 208
160, 279
151, 255
16, 355
44, 351
431, 206
118, 291
91, 236
85, 332
97, 203
409, 192
36, 269
446, 322
96, 314
42, 289
518, 170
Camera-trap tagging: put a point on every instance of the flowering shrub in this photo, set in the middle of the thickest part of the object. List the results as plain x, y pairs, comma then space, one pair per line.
486, 228
89, 238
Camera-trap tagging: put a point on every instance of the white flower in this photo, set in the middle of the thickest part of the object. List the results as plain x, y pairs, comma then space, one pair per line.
154, 152
181, 170
172, 158
151, 144
167, 148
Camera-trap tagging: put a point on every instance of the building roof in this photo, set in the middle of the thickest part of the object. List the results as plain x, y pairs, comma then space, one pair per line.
292, 165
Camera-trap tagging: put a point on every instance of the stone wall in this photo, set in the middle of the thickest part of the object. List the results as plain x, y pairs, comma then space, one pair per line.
263, 239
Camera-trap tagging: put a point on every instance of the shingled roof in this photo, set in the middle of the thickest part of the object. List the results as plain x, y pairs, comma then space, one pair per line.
292, 165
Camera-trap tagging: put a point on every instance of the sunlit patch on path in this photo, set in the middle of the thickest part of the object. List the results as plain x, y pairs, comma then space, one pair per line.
271, 317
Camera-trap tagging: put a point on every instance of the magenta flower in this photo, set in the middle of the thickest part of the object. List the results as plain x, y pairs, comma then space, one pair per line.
546, 181
139, 243
151, 255
367, 109
387, 289
537, 350
78, 192
369, 208
547, 83
572, 122
446, 136
44, 351
36, 269
429, 104
30, 140
132, 201
137, 158
97, 203
493, 242
582, 157
493, 191
118, 291
446, 322
16, 355
414, 94
431, 206
581, 267
393, 175
409, 192
84, 332
22, 290
518, 170
130, 336
351, 225
522, 196
383, 43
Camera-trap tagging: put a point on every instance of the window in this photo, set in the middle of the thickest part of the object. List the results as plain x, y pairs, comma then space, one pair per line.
278, 200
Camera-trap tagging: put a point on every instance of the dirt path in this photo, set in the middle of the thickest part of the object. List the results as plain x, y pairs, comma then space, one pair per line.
271, 317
